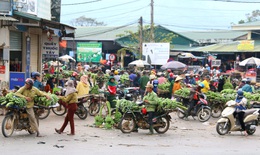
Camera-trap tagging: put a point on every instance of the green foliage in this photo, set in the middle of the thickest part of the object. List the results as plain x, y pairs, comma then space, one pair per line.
42, 100
12, 100
184, 92
164, 86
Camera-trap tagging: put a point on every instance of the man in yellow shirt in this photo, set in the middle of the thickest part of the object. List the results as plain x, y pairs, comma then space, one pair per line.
206, 84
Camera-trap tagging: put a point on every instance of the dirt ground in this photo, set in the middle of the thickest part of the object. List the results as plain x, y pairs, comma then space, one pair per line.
183, 137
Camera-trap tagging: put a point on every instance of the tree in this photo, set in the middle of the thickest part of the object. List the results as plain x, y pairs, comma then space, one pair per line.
251, 17
132, 39
84, 21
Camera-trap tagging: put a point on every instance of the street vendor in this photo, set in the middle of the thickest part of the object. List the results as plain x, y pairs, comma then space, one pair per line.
29, 92
151, 101
177, 84
111, 87
83, 86
206, 84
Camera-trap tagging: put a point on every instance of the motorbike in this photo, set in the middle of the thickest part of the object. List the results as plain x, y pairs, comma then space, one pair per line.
16, 118
129, 93
201, 109
61, 109
138, 118
229, 123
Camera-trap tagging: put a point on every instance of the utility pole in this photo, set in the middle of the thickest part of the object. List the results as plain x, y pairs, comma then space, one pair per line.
152, 24
141, 37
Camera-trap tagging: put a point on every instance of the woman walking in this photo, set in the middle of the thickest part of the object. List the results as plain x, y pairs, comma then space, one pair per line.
71, 100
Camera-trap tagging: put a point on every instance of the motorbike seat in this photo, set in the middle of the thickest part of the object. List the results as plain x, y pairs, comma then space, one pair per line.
249, 112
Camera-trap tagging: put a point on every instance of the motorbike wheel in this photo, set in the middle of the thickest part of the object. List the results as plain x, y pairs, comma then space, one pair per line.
127, 124
82, 112
221, 129
204, 115
32, 131
59, 111
180, 114
94, 108
165, 125
43, 112
250, 131
216, 111
8, 125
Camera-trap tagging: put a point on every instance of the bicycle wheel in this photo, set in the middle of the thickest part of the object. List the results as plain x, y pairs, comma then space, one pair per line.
59, 110
94, 108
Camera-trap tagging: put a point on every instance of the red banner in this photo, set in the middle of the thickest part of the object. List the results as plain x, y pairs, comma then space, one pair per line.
2, 69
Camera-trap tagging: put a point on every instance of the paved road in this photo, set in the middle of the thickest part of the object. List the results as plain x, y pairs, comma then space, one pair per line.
183, 137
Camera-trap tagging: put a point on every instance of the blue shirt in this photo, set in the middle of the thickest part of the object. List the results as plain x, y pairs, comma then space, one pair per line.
247, 88
38, 84
132, 77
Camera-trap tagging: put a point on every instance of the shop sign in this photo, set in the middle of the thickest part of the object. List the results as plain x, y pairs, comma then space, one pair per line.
89, 52
2, 69
27, 6
50, 47
215, 63
246, 45
28, 56
16, 79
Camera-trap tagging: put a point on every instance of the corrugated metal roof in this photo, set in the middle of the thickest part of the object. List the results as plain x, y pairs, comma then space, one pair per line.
226, 47
102, 32
256, 23
8, 18
213, 36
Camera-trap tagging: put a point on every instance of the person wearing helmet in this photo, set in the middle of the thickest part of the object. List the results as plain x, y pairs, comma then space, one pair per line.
116, 76
36, 76
241, 102
247, 87
194, 98
28, 92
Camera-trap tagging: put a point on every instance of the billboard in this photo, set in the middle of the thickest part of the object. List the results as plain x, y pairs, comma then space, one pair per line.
156, 53
246, 45
27, 6
16, 79
89, 52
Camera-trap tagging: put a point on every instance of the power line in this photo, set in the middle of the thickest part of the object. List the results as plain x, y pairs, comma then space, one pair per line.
101, 8
80, 3
171, 7
105, 31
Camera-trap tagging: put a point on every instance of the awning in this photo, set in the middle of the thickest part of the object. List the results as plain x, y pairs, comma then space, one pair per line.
6, 18
27, 15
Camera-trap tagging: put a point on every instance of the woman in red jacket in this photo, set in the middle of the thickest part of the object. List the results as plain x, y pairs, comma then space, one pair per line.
111, 87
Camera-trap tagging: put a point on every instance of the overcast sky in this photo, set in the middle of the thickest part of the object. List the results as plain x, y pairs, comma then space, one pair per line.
179, 15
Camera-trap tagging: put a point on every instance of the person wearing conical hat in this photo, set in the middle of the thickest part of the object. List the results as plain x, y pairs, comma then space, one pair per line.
177, 84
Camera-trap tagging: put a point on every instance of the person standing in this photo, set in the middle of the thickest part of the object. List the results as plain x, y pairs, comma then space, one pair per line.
151, 101
132, 77
177, 84
111, 87
29, 92
206, 84
162, 79
83, 86
71, 100
143, 81
36, 76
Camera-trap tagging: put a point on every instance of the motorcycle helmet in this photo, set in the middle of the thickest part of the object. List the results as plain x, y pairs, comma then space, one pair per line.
169, 70
115, 72
240, 92
201, 85
35, 74
29, 81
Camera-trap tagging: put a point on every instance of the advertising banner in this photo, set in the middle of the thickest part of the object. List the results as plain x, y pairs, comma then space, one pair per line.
28, 6
156, 53
28, 56
16, 79
89, 52
246, 45
2, 69
50, 47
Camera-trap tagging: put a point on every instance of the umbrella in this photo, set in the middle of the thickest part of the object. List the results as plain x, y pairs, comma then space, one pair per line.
173, 65
66, 58
139, 63
250, 61
186, 55
54, 63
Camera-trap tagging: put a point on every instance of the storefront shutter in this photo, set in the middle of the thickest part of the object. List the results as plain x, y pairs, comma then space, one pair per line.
34, 52
15, 41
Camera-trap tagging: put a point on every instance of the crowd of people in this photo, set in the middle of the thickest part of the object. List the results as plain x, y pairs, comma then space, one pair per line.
204, 80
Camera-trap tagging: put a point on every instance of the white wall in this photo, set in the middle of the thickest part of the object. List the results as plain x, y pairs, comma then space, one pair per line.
4, 33
44, 9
